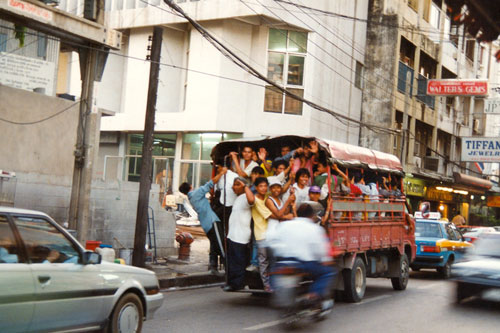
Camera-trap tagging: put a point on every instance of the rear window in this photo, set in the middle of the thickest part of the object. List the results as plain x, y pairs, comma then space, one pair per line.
428, 229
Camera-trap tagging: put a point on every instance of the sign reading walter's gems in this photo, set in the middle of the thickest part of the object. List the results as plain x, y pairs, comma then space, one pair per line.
480, 149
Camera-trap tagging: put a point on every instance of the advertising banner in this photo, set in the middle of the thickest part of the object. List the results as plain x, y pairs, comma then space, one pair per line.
480, 149
457, 87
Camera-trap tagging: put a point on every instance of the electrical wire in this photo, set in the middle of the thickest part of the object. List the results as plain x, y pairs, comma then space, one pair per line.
40, 120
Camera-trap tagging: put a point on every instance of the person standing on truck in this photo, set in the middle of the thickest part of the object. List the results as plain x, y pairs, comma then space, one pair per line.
301, 187
302, 241
227, 196
239, 235
243, 167
209, 221
260, 214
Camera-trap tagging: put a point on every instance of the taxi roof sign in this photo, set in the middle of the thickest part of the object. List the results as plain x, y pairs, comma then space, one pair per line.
430, 215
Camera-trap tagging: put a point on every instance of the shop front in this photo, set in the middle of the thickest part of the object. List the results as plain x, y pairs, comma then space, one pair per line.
415, 189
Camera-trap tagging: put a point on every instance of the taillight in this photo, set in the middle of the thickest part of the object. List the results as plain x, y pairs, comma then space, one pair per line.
434, 249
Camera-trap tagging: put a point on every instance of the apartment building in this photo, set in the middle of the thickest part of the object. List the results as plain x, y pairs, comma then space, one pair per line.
419, 38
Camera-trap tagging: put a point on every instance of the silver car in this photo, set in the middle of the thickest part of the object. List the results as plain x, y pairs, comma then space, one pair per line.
49, 282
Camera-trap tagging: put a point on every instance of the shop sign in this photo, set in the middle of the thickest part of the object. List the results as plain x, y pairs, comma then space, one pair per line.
414, 186
492, 106
493, 201
31, 9
457, 87
436, 195
480, 149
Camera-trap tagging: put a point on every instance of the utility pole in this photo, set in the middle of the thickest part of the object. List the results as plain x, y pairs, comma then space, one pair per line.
147, 152
86, 143
405, 139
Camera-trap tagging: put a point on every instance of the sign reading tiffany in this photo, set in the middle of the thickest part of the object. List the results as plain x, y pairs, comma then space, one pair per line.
480, 149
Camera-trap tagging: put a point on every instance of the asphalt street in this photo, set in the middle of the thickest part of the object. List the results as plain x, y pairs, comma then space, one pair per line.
427, 305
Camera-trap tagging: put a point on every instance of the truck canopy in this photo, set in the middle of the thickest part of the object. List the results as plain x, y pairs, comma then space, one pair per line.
337, 152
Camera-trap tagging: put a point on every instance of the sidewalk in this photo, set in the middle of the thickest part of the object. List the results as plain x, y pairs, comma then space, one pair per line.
175, 273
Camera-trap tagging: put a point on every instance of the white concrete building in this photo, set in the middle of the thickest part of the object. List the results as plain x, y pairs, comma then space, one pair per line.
316, 55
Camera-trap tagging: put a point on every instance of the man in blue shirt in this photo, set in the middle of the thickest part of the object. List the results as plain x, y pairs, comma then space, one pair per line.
209, 221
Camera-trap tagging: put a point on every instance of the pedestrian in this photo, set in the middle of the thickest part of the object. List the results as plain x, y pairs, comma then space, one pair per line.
458, 220
226, 195
209, 221
239, 235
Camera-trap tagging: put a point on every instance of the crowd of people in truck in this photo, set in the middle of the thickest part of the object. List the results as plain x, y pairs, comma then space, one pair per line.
254, 192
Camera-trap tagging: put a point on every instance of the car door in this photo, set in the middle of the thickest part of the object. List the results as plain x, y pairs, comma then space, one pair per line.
69, 294
454, 240
17, 287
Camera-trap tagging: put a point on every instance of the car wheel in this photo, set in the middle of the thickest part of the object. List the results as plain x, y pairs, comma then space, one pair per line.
400, 282
355, 281
445, 271
127, 315
461, 292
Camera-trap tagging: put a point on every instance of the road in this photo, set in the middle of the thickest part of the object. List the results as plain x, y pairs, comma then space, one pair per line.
426, 306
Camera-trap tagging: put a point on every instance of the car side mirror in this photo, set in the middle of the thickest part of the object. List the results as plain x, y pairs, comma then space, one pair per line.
91, 258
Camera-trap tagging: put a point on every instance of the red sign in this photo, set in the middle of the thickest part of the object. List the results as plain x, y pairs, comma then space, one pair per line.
32, 9
457, 88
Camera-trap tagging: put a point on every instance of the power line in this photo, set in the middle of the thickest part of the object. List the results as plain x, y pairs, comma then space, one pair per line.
41, 120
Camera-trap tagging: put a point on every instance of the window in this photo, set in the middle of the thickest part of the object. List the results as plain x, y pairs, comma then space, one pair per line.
163, 158
42, 46
9, 253
3, 42
286, 61
469, 49
45, 244
195, 158
358, 80
413, 4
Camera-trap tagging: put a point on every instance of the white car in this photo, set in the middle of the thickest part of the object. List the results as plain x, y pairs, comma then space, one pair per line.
49, 282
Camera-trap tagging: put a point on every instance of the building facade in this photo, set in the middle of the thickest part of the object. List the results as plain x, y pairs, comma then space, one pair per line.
418, 40
204, 98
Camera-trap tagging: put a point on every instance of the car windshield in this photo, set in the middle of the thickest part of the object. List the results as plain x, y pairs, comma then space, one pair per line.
488, 246
428, 229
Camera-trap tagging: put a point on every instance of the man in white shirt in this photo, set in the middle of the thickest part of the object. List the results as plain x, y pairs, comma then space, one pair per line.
239, 235
243, 167
227, 196
301, 240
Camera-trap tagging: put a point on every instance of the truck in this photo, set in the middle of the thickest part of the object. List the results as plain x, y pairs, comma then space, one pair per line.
371, 237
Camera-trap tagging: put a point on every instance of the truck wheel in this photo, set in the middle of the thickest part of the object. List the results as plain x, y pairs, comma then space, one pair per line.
400, 282
445, 271
355, 281
127, 315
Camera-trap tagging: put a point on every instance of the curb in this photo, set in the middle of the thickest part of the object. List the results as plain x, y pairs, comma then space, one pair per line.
196, 279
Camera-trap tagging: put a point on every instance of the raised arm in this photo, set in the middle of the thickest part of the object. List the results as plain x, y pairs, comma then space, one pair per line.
279, 214
341, 174
263, 157
237, 167
217, 177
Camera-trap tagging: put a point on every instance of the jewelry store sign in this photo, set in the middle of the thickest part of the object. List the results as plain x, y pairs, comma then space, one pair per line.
480, 149
492, 106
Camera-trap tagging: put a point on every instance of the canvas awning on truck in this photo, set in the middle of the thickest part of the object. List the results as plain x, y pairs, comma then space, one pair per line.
337, 152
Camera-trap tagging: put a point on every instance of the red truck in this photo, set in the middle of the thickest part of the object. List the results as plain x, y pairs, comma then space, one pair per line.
371, 236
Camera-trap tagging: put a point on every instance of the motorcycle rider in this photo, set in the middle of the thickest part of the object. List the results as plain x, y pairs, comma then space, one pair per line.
303, 244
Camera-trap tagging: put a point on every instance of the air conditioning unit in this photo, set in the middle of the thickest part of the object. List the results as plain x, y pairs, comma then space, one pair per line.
417, 161
431, 163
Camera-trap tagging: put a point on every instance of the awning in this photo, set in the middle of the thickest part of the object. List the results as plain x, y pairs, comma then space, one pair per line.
464, 179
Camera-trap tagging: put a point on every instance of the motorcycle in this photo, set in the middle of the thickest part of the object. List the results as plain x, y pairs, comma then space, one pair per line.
291, 295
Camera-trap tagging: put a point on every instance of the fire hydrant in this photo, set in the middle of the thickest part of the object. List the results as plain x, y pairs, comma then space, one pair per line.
184, 239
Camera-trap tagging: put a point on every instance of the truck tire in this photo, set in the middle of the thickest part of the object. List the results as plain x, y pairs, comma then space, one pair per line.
400, 282
355, 281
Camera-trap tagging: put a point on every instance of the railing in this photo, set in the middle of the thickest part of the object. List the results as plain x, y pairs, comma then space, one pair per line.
367, 209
